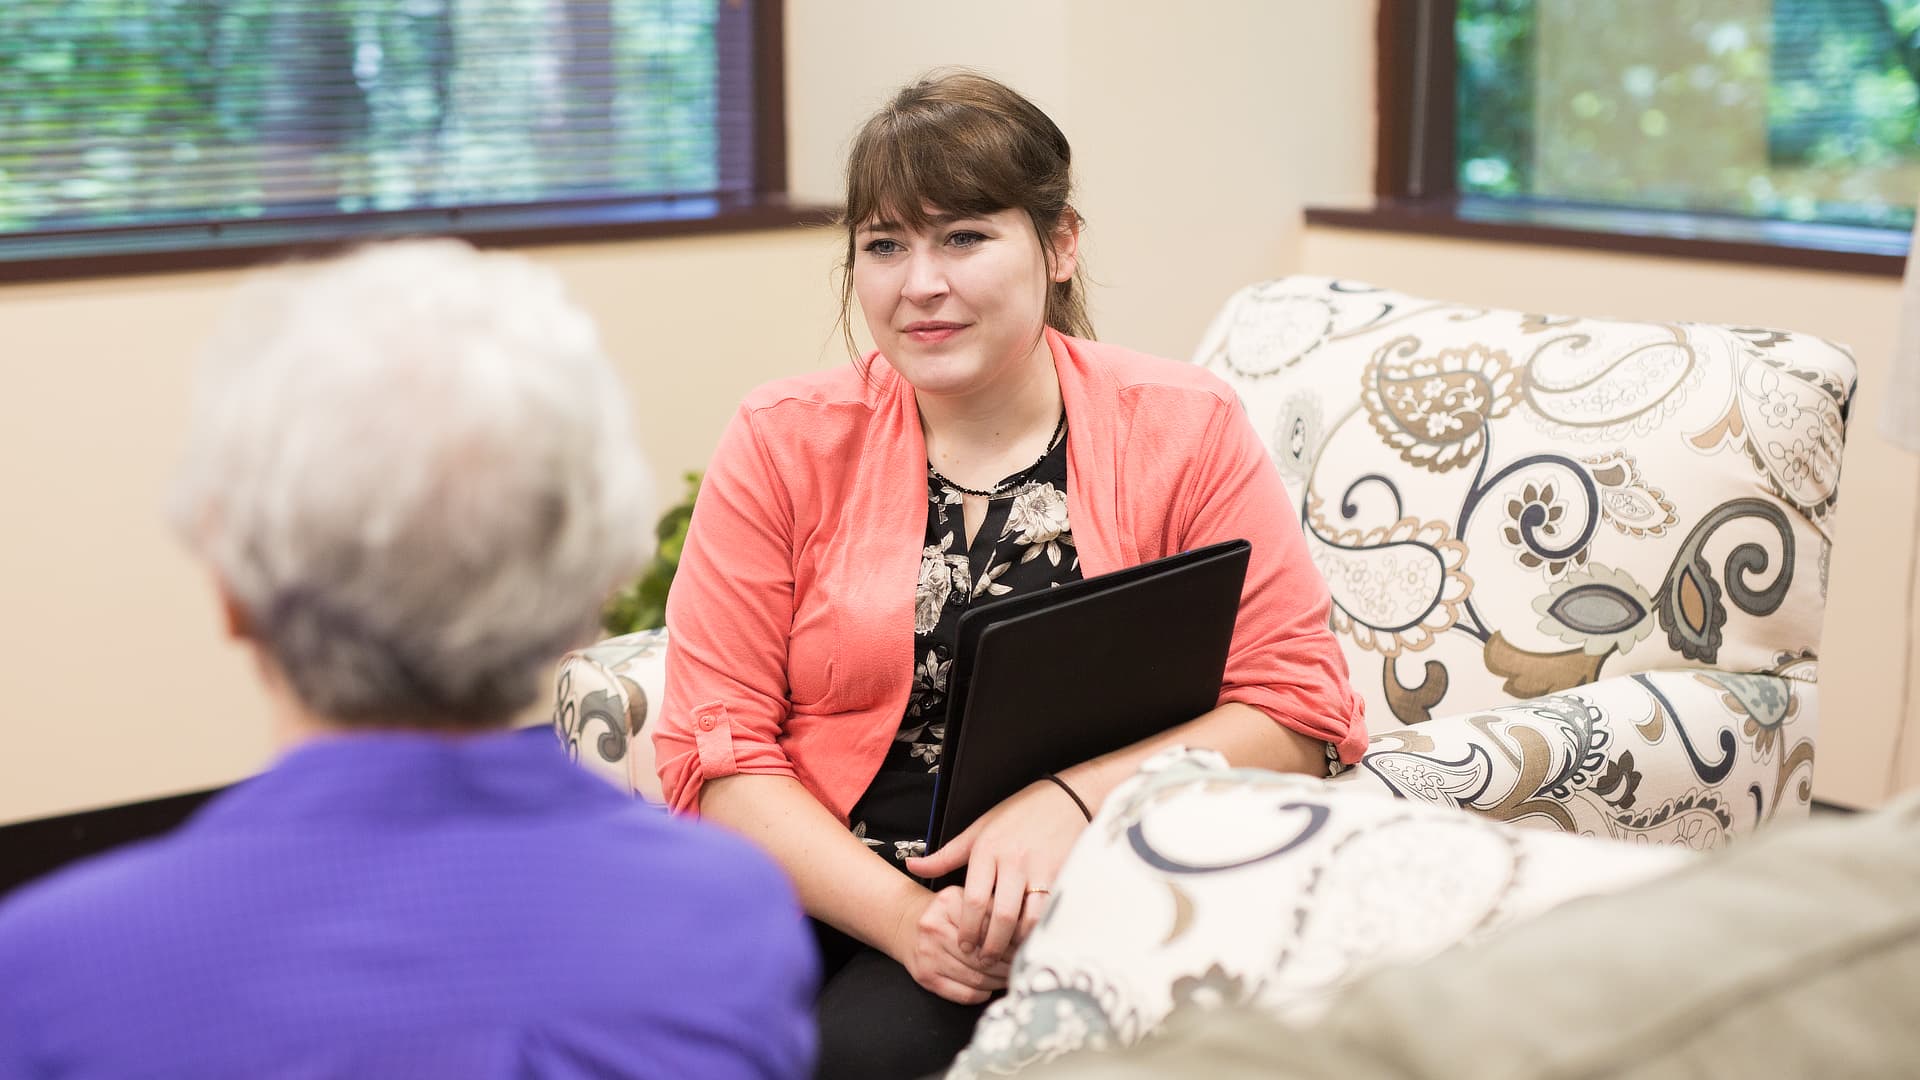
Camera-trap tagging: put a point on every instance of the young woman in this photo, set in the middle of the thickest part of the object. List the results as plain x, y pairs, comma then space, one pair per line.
988, 447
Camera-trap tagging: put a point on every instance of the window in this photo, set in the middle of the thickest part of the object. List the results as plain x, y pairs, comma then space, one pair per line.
153, 126
1777, 130
1801, 110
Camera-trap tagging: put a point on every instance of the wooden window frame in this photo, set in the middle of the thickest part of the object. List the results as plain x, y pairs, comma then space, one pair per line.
1415, 190
224, 245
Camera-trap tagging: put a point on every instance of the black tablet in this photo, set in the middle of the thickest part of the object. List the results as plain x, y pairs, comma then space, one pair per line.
1049, 679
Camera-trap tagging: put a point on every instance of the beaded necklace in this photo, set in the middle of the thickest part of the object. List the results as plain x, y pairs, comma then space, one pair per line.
1012, 481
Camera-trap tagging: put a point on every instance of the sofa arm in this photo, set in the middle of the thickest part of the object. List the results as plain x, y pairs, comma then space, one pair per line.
1692, 757
601, 706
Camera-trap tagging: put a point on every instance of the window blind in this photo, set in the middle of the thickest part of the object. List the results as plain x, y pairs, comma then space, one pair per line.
124, 119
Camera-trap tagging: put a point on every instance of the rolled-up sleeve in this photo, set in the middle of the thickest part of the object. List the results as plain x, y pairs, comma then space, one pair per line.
729, 617
1285, 661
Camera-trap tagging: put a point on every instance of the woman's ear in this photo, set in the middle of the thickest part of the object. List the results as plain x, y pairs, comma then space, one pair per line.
238, 624
1064, 254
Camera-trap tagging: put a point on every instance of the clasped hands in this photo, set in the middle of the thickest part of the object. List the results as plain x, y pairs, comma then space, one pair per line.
959, 942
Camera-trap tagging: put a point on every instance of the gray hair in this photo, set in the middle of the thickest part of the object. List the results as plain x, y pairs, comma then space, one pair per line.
411, 467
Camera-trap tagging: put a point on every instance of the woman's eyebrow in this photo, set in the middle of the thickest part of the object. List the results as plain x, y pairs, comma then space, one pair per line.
935, 220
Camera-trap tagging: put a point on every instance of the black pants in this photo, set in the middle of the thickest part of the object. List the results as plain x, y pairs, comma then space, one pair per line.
876, 1023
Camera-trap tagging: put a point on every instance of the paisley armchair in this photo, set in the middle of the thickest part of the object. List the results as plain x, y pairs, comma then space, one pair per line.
1578, 568
1578, 565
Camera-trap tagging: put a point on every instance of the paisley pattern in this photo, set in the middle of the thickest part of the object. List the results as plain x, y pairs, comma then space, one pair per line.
1790, 426
601, 701
1627, 502
1394, 587
1601, 382
1321, 884
1434, 409
1507, 505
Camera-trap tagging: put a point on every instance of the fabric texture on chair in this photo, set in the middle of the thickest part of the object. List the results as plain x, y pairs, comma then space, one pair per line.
1200, 886
1507, 506
1794, 956
601, 703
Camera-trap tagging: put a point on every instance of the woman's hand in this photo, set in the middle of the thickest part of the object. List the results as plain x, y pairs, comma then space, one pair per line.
1012, 855
928, 945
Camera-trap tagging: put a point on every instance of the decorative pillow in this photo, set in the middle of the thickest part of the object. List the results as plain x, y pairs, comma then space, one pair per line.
1200, 886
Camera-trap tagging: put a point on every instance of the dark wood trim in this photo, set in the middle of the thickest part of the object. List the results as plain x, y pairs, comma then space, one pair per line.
1752, 241
770, 97
30, 849
1415, 83
199, 246
1393, 93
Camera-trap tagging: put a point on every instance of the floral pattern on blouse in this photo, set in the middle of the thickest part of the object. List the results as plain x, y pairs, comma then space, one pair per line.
1024, 544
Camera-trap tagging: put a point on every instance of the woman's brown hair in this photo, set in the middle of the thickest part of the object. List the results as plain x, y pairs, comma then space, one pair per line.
961, 143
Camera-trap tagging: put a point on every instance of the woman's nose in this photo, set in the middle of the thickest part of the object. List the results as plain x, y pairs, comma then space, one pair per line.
926, 280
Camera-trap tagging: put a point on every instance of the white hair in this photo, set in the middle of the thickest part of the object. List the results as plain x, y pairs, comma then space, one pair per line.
412, 469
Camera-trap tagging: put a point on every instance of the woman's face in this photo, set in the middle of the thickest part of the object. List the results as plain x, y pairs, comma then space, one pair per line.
957, 307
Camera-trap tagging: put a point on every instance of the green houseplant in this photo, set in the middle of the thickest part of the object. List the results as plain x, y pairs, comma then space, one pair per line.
643, 604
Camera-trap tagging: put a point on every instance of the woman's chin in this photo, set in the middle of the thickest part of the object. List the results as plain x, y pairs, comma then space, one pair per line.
942, 376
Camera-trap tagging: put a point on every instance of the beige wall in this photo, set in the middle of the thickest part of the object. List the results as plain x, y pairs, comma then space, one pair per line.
115, 684
1198, 140
1864, 652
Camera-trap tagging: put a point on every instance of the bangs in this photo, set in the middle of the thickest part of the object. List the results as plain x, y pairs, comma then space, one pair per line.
913, 164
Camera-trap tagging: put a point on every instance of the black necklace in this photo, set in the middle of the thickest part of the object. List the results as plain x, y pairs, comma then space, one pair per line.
1012, 481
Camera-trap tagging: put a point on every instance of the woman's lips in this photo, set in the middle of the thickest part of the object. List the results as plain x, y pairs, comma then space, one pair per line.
933, 333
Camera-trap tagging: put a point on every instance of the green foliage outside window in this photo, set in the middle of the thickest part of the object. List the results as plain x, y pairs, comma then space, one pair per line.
1805, 110
117, 112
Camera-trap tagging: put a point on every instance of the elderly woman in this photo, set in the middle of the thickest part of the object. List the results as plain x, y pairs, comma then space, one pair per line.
411, 475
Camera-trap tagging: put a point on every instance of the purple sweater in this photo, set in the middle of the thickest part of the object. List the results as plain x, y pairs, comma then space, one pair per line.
410, 905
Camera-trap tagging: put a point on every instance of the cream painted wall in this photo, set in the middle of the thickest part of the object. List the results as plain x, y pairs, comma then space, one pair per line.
1865, 650
1197, 138
115, 683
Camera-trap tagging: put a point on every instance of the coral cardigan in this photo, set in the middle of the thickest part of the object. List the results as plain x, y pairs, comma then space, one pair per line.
791, 614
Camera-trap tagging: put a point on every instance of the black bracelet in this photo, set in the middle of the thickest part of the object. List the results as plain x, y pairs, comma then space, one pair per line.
1076, 799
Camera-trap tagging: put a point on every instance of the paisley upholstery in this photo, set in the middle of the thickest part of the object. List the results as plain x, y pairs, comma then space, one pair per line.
1203, 887
601, 703
1525, 519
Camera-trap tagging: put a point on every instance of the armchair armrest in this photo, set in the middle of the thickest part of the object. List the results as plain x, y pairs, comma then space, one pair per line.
601, 704
1690, 757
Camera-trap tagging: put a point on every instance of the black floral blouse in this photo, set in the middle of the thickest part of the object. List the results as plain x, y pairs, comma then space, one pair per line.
1025, 544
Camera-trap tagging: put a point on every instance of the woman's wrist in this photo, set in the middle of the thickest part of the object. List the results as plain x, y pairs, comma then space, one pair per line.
907, 909
1079, 803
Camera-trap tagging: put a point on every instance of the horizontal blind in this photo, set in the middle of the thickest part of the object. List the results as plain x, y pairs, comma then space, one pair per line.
128, 113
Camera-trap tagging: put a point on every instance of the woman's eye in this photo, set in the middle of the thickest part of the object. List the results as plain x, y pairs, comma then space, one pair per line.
884, 246
965, 239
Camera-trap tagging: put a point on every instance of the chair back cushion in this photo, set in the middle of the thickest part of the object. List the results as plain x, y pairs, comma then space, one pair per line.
1506, 505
